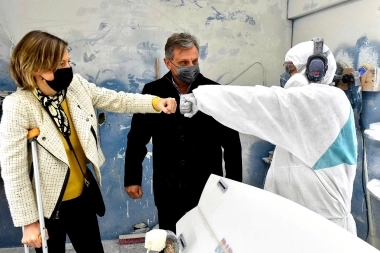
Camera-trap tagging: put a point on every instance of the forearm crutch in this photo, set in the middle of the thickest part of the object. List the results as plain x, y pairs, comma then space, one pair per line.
32, 139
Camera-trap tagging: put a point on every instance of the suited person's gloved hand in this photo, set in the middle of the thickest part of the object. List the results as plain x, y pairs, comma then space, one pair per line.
188, 105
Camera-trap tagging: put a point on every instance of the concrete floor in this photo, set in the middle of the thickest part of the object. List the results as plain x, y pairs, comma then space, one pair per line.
111, 246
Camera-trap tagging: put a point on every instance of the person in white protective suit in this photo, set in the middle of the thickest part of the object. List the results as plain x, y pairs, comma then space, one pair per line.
311, 124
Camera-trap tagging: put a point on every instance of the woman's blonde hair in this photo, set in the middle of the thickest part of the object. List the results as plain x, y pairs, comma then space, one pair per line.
37, 51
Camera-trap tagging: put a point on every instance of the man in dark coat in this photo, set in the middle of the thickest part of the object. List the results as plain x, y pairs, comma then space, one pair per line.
185, 150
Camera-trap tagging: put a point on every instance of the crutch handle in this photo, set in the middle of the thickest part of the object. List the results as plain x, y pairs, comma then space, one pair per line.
34, 132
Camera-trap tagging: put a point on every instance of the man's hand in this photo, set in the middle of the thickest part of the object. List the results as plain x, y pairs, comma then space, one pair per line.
32, 235
188, 105
167, 105
134, 191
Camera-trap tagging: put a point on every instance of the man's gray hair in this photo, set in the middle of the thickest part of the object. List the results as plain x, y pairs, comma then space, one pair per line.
179, 40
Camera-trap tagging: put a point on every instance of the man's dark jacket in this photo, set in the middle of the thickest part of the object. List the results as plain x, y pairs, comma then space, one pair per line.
185, 150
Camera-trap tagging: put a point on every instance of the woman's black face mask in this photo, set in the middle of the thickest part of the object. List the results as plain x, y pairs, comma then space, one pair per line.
62, 79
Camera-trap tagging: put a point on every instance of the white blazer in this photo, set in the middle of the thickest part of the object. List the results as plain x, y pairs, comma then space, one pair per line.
22, 111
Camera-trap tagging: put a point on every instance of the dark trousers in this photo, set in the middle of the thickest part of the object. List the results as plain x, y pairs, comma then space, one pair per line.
80, 223
172, 211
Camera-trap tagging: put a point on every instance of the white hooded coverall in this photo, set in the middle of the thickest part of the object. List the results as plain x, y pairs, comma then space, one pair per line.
313, 128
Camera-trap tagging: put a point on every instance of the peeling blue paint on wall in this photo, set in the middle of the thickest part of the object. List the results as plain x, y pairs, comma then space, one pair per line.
6, 82
364, 51
203, 51
10, 236
358, 201
183, 3
256, 176
239, 15
122, 212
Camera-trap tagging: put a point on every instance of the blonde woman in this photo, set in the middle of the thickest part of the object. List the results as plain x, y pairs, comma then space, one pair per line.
62, 105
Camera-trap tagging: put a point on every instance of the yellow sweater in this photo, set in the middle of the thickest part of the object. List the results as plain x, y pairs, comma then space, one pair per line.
76, 181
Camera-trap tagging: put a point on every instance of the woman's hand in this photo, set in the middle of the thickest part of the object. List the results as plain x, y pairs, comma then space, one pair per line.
32, 235
167, 105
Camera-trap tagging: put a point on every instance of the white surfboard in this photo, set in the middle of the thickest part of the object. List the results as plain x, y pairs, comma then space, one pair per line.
239, 218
